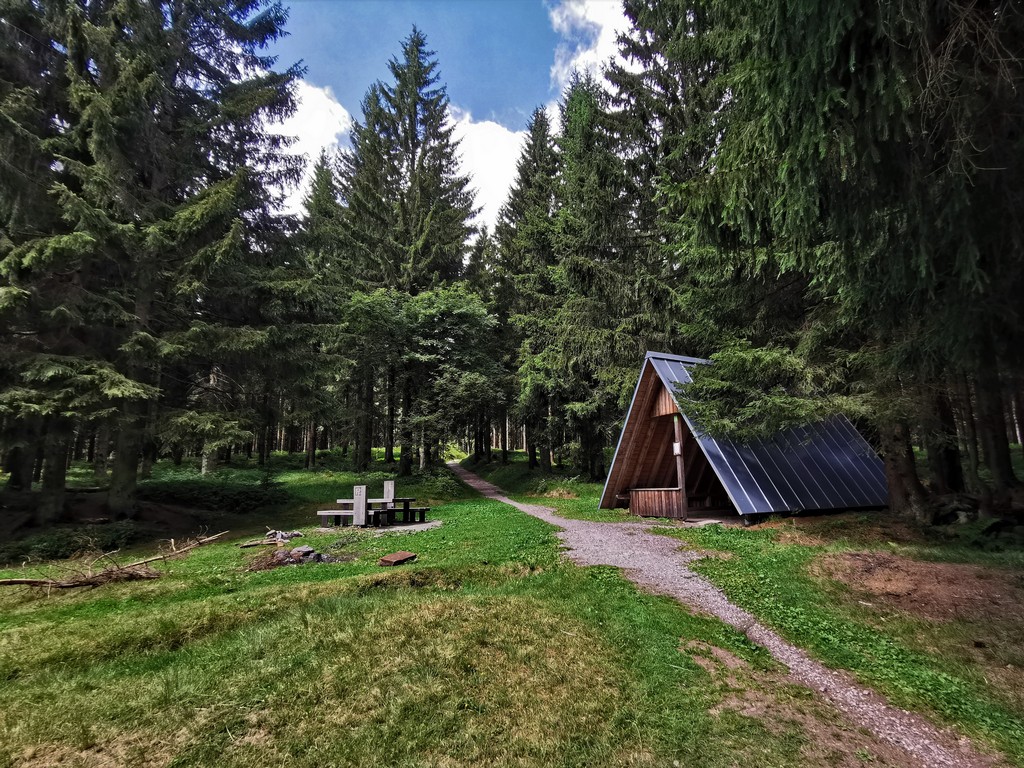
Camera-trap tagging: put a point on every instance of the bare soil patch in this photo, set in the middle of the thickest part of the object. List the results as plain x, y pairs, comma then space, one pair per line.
712, 658
936, 591
860, 528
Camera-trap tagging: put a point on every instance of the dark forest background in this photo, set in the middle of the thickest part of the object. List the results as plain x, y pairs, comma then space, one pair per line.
823, 199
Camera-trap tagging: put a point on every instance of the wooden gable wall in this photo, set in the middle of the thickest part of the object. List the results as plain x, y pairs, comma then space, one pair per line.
647, 459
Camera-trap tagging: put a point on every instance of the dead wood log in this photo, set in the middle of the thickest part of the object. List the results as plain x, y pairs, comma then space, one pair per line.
89, 577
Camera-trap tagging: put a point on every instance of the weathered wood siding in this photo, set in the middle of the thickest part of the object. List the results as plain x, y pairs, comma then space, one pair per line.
665, 404
657, 502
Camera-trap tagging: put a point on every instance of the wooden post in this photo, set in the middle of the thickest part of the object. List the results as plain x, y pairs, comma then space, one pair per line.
359, 505
677, 449
389, 492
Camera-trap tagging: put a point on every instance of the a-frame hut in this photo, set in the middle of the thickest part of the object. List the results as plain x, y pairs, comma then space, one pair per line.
665, 467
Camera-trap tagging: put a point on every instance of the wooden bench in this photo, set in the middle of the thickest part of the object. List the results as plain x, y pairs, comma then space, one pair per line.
382, 517
379, 513
340, 516
414, 514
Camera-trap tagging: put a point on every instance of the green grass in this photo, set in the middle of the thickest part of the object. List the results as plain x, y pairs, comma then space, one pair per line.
919, 664
488, 650
238, 496
570, 495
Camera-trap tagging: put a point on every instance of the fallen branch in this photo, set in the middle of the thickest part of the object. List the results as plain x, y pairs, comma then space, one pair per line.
137, 571
259, 543
272, 538
103, 577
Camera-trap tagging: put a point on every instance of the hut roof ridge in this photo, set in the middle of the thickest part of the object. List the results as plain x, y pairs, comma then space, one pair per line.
677, 358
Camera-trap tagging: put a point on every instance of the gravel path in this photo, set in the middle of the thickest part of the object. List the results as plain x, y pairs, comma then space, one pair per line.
658, 564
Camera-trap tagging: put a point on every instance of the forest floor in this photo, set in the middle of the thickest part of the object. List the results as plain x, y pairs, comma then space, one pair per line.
490, 648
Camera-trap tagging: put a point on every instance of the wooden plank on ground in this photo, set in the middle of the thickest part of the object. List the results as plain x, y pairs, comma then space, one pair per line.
397, 558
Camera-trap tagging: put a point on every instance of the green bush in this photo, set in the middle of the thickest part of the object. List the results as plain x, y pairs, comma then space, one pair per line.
445, 487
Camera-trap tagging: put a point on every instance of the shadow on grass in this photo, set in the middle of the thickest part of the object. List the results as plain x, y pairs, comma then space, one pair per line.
177, 501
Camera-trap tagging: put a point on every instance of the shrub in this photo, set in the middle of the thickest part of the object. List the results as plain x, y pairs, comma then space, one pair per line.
445, 487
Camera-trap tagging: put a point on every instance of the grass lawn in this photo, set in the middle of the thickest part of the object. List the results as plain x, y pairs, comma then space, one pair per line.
488, 650
932, 651
573, 496
931, 619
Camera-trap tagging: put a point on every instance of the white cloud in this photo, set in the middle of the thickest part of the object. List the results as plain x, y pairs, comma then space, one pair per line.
489, 155
588, 29
319, 122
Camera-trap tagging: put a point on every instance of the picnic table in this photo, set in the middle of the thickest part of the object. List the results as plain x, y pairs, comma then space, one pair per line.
362, 511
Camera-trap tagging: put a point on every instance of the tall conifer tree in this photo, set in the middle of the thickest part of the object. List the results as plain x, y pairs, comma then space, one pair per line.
163, 164
407, 219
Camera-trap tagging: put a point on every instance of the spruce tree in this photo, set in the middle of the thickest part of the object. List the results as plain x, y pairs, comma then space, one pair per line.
407, 217
848, 158
162, 166
525, 270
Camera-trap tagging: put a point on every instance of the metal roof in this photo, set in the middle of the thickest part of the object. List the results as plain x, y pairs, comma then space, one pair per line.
825, 465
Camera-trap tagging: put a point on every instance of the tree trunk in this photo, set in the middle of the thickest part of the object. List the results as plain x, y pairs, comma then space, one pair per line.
970, 434
55, 460
311, 446
209, 461
389, 434
78, 452
261, 445
121, 500
992, 428
544, 452
478, 438
405, 433
940, 444
364, 433
1018, 414
102, 453
21, 459
37, 466
504, 438
150, 447
906, 494
125, 469
19, 474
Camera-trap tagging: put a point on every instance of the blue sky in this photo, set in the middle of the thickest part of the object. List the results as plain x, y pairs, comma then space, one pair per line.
499, 58
495, 55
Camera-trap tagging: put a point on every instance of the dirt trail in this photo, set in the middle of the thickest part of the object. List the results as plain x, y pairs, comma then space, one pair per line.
658, 564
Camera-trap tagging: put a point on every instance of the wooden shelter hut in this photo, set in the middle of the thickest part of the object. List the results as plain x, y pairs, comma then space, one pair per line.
665, 467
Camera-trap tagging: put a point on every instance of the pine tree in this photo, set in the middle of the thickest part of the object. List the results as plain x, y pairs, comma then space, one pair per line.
33, 393
408, 213
848, 158
525, 270
162, 166
409, 209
